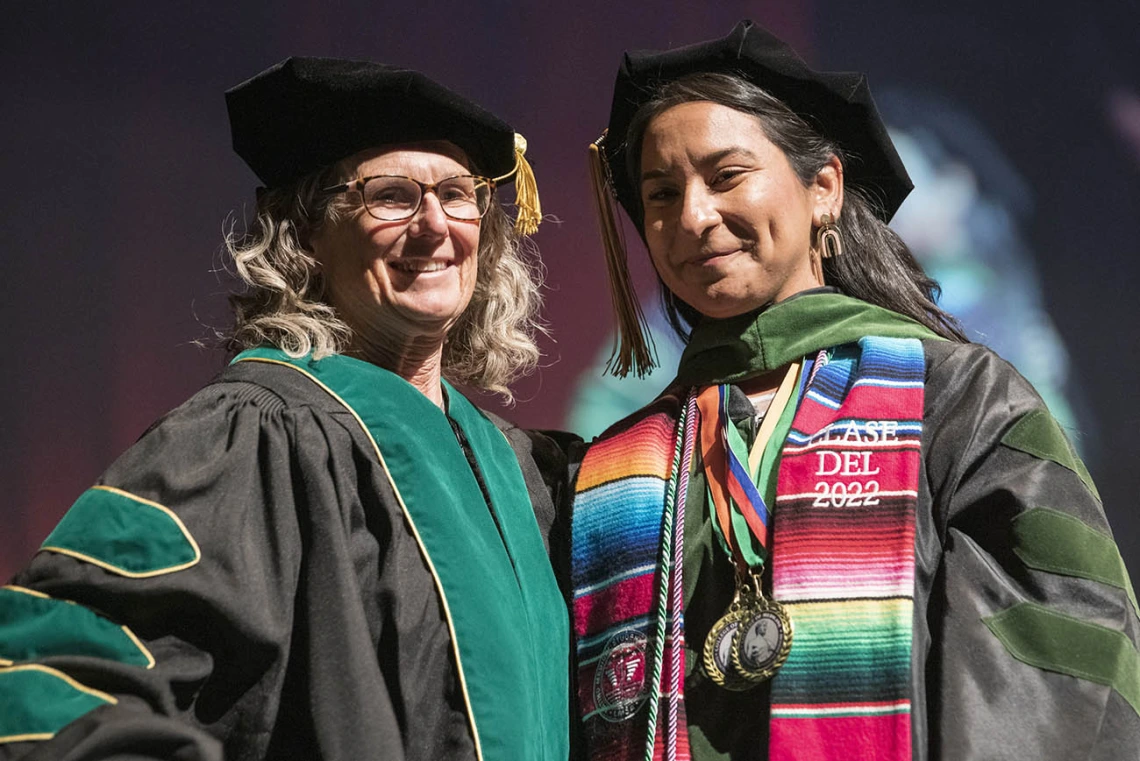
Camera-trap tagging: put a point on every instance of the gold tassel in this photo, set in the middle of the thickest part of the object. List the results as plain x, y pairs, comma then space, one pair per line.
526, 192
529, 214
633, 348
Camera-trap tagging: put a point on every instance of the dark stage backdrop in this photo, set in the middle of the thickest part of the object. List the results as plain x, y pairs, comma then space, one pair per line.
118, 182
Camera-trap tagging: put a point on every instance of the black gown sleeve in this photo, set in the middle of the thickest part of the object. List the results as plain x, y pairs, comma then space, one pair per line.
1027, 627
240, 470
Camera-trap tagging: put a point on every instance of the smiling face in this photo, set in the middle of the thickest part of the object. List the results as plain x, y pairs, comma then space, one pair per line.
727, 221
405, 282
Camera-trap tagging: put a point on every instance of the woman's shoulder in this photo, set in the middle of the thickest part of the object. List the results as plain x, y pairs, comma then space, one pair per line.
977, 403
954, 369
262, 391
270, 386
939, 350
246, 410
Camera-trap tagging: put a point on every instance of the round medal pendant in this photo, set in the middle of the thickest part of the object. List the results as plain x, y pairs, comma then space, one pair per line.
718, 660
761, 641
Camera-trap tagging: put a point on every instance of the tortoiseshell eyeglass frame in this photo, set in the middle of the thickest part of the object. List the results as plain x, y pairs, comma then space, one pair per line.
425, 187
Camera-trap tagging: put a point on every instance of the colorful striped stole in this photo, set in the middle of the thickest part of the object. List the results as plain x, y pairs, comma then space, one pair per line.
842, 564
616, 569
843, 556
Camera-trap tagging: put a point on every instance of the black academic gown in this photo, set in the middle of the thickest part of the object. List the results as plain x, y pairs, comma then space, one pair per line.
312, 625
1026, 626
976, 556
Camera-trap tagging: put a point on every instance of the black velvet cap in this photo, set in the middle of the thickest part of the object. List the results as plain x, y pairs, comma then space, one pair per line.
837, 104
307, 113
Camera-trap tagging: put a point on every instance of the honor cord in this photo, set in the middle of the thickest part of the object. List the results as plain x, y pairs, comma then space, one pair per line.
663, 590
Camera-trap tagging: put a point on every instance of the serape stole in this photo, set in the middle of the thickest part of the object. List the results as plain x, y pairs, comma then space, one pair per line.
617, 571
843, 556
842, 564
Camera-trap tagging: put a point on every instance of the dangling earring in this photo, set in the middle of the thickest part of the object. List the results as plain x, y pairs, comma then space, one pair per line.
816, 266
829, 242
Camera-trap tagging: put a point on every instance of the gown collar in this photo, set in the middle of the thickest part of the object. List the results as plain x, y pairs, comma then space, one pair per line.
733, 349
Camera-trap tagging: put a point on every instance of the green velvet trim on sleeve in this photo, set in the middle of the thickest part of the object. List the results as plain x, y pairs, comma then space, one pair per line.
34, 626
1052, 641
1038, 433
1049, 540
124, 534
37, 701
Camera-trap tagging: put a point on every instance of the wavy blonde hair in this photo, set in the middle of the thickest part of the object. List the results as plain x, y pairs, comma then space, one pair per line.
283, 302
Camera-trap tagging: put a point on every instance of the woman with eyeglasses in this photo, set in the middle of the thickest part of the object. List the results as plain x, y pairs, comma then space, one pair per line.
843, 531
328, 552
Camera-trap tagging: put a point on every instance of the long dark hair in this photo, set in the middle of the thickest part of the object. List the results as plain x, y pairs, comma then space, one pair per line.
876, 267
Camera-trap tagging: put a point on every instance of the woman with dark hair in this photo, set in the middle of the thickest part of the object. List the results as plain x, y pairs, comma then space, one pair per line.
328, 552
843, 531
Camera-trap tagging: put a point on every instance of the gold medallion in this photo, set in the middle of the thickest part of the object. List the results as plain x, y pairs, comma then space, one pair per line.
718, 655
761, 640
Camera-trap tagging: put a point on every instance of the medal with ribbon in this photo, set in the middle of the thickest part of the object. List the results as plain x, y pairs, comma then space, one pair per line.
751, 641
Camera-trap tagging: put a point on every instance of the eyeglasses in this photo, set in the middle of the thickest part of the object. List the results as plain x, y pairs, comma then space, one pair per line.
391, 197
